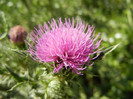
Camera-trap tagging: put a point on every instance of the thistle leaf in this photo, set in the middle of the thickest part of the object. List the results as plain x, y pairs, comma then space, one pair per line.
5, 25
19, 51
16, 76
3, 36
16, 85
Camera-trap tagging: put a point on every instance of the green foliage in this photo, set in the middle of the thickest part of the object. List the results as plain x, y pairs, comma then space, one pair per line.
111, 78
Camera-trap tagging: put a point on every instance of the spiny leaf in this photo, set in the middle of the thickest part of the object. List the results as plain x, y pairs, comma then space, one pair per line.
16, 76
18, 51
3, 36
16, 85
5, 26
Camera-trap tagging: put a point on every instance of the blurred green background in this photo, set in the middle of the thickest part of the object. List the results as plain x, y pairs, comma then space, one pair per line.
112, 77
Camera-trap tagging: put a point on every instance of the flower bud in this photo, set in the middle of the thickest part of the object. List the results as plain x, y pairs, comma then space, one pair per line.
55, 89
17, 34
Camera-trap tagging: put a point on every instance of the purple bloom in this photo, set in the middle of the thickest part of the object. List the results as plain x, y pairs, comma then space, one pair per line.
66, 44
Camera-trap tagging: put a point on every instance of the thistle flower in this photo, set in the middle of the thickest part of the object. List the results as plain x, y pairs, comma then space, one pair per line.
17, 34
66, 44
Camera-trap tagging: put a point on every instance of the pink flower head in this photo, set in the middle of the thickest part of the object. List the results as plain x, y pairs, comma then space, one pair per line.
66, 44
